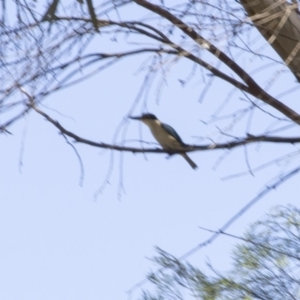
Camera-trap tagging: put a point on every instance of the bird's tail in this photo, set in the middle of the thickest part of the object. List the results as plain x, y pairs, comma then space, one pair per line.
191, 163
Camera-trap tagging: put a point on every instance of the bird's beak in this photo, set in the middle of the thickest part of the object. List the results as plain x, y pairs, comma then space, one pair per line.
135, 118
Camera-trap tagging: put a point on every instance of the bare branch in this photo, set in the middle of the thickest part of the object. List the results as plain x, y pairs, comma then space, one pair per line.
191, 148
254, 88
232, 220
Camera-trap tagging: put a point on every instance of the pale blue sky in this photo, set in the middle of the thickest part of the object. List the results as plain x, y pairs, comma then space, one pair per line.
58, 242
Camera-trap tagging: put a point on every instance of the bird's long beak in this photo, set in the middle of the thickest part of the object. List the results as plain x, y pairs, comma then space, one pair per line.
135, 118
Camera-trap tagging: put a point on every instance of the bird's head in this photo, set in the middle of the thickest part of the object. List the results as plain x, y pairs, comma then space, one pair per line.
148, 119
145, 117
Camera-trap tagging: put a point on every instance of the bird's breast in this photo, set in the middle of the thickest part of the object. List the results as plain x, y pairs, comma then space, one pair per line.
164, 138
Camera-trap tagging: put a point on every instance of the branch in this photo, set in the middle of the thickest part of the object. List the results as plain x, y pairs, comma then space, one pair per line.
50, 13
247, 240
216, 234
92, 14
255, 89
160, 37
191, 148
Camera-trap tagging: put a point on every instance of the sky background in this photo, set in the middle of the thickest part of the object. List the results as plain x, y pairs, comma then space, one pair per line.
60, 242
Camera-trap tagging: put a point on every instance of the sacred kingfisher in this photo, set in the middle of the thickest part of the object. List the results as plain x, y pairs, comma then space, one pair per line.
165, 135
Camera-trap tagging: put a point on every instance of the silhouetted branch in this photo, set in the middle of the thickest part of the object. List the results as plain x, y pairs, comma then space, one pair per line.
191, 148
253, 88
248, 240
233, 219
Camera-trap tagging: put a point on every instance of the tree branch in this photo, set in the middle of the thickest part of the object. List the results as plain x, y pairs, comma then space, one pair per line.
191, 148
255, 89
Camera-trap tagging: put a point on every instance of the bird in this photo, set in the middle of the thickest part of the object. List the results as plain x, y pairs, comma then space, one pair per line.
166, 135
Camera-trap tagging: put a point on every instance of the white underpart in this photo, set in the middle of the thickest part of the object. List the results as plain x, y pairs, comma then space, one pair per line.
162, 136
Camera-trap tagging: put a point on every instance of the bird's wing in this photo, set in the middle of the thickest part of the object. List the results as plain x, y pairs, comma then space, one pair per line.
172, 132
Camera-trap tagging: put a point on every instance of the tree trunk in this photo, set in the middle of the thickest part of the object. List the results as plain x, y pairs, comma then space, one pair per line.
279, 23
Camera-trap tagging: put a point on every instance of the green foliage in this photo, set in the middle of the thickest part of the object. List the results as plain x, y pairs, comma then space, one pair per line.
265, 266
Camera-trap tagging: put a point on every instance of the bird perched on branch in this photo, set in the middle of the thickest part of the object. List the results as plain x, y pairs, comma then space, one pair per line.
166, 136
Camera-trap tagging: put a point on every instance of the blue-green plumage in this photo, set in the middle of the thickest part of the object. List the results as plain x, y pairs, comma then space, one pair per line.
172, 132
